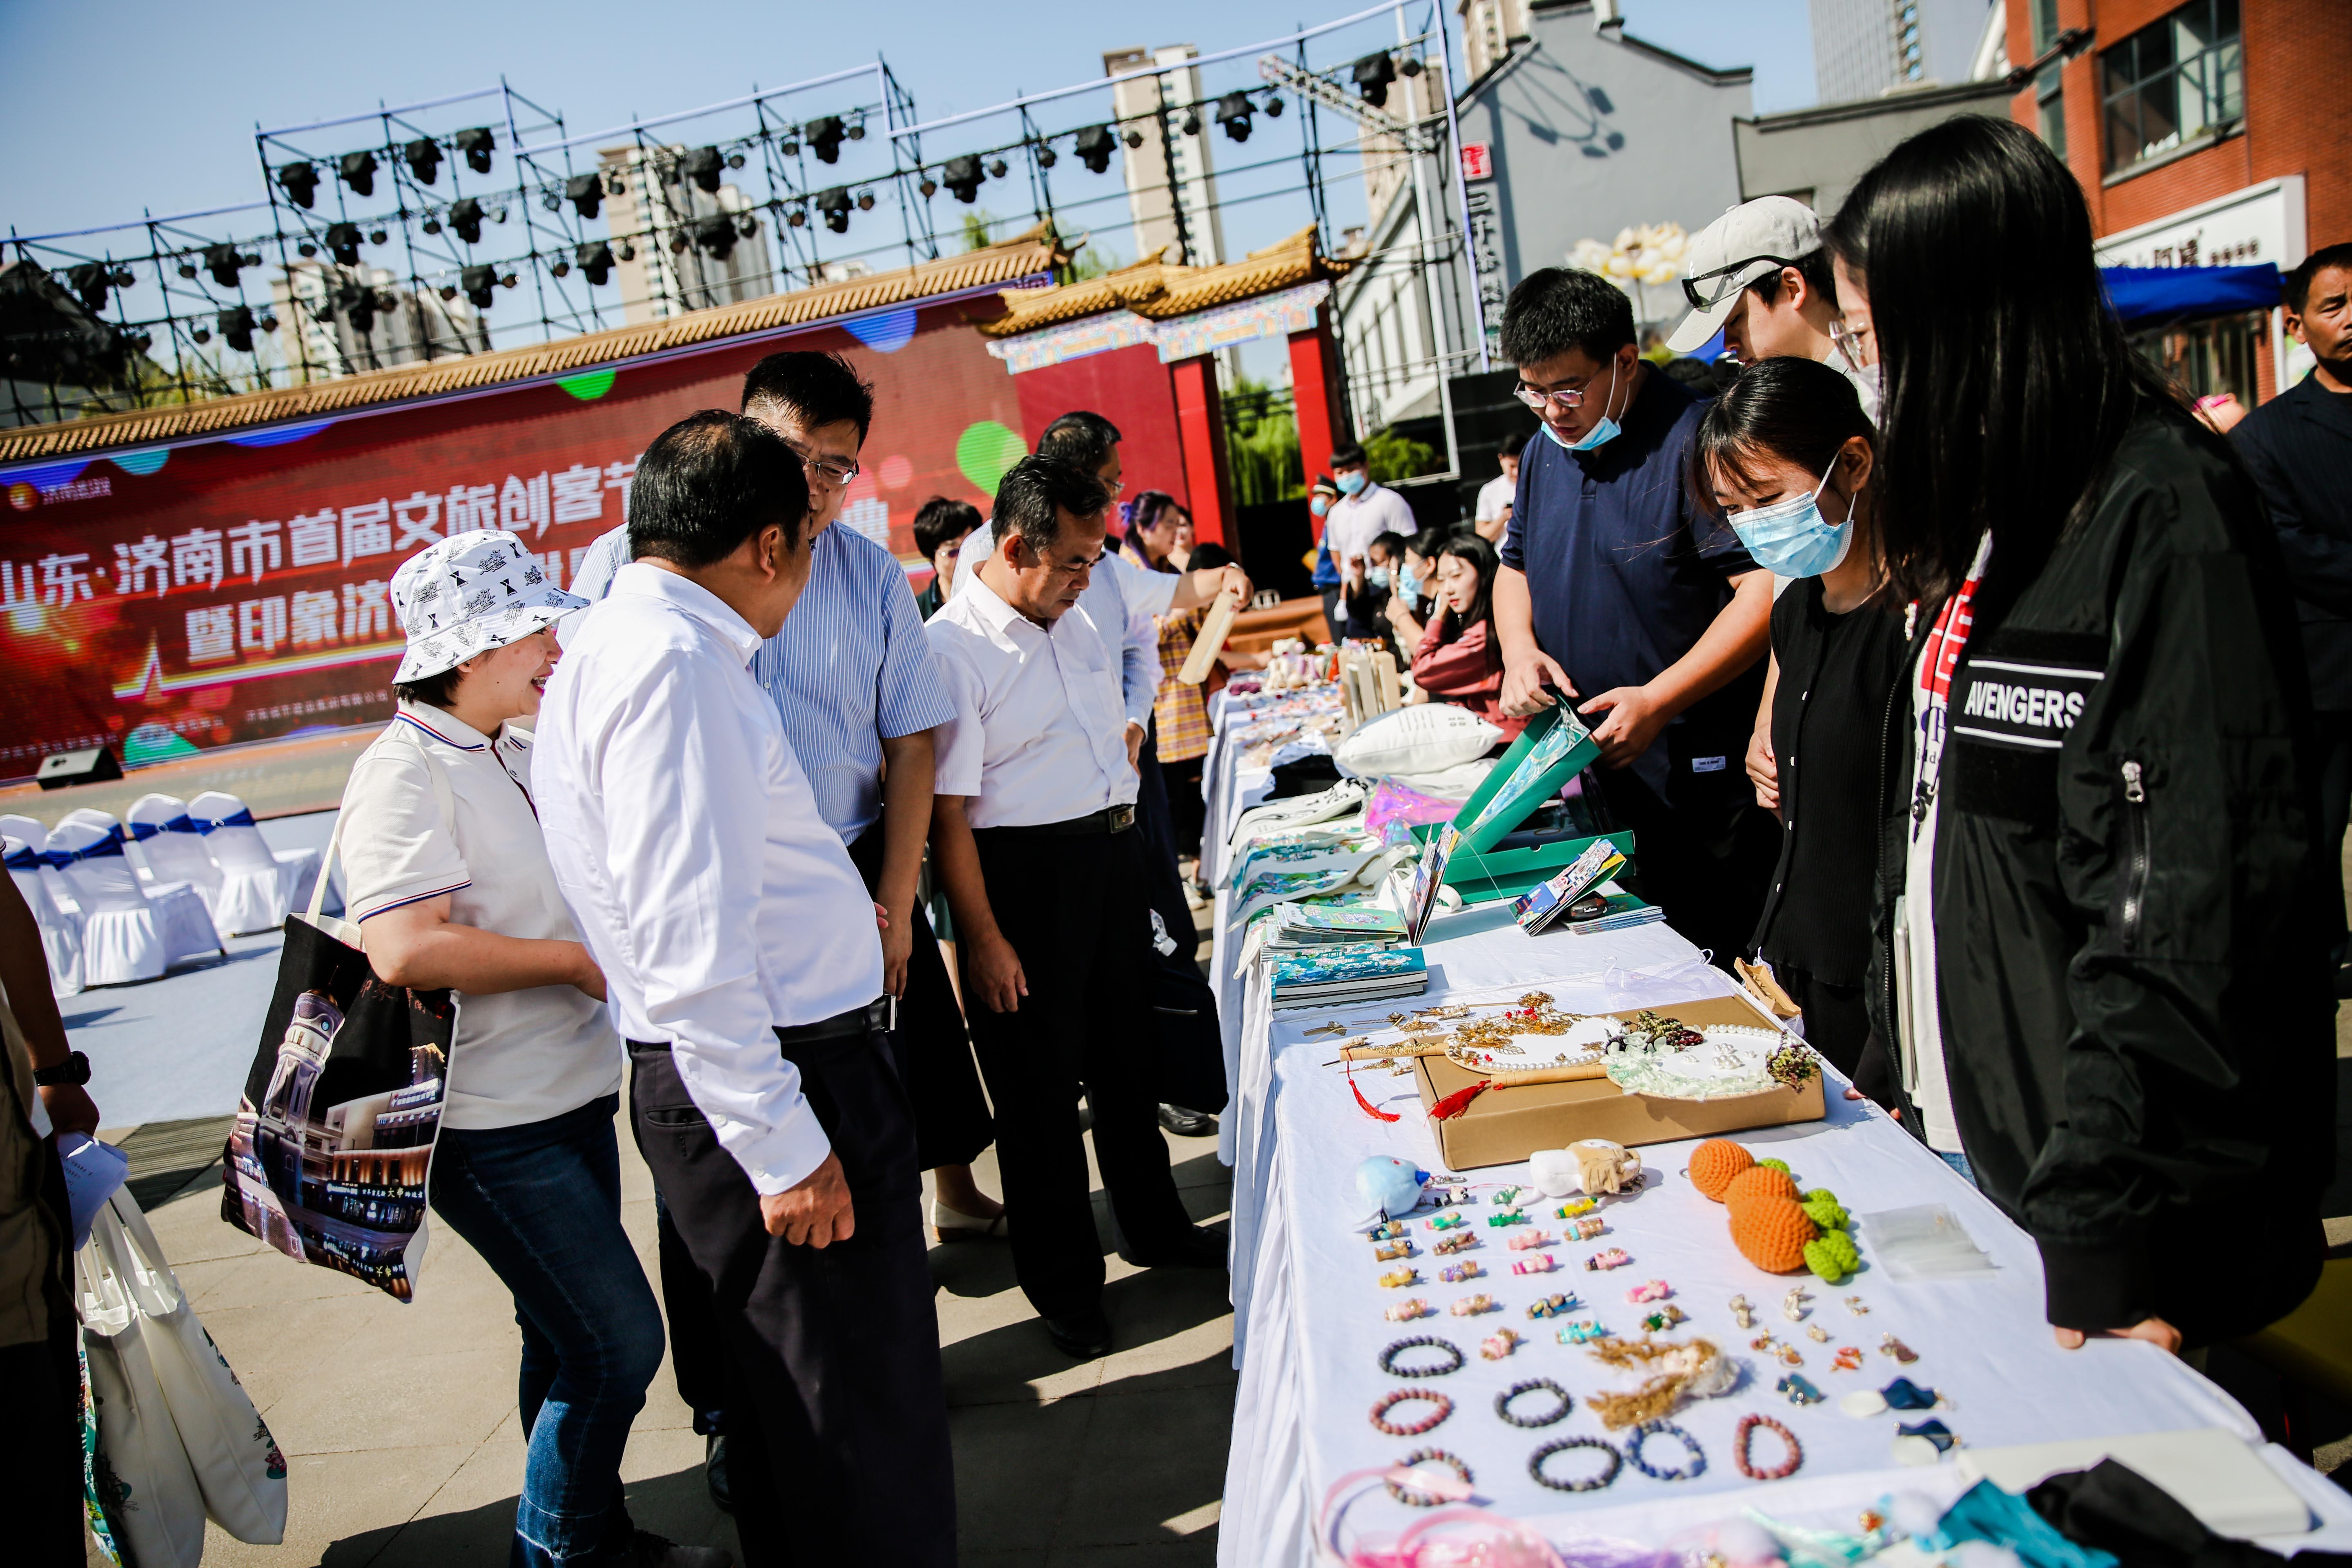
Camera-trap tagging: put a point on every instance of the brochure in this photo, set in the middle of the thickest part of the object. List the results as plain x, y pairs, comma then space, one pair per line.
1542, 905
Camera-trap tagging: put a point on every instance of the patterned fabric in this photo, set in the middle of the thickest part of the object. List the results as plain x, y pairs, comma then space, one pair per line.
468, 593
1183, 710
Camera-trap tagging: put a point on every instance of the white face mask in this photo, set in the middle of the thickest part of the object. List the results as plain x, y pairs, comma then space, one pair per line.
1601, 434
1791, 538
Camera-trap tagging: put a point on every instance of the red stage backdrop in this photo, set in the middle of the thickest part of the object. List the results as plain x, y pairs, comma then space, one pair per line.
174, 599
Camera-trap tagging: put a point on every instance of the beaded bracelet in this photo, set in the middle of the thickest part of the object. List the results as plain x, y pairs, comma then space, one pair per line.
1396, 1396
1561, 1446
1649, 1430
1503, 1403
1746, 1433
1411, 1496
1388, 1361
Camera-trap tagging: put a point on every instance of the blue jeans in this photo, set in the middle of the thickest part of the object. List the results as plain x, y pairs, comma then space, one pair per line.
542, 1204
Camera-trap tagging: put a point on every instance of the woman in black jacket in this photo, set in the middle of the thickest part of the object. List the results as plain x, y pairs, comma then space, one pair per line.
2101, 934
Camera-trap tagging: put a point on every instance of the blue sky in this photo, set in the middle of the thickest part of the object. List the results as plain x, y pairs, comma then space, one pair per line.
108, 108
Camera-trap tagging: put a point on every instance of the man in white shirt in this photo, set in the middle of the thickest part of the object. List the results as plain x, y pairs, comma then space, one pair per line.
1491, 517
745, 971
1366, 509
1032, 835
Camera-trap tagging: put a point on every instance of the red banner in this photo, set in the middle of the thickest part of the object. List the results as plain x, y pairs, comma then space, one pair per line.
174, 599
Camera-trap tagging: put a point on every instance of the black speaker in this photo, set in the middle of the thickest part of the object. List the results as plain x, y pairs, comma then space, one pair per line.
96, 765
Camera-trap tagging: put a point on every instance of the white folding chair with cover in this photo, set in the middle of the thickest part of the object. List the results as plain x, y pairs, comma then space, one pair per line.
257, 883
60, 932
107, 822
36, 833
160, 828
122, 932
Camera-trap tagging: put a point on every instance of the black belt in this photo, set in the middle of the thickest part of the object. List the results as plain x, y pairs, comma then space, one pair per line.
879, 1014
1111, 819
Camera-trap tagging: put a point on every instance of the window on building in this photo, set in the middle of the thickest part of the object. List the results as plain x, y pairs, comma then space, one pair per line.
2201, 358
2050, 102
2173, 81
2045, 24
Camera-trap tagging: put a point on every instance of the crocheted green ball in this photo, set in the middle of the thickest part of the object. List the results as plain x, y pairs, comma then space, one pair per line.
1779, 1165
1826, 1210
1833, 1256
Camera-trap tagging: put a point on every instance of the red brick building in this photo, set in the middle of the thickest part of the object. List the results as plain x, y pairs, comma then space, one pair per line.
2205, 132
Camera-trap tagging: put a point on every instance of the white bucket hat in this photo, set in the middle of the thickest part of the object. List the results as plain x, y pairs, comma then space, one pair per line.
468, 593
1752, 240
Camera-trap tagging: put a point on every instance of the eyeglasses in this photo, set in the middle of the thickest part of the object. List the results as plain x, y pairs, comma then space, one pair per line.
1566, 398
1727, 281
835, 471
1851, 342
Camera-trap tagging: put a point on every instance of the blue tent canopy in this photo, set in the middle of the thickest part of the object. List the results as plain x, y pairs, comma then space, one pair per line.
2149, 296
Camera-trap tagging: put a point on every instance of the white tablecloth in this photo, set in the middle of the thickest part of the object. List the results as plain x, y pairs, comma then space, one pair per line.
1308, 1327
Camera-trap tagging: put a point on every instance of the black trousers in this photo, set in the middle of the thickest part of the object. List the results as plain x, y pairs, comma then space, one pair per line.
1837, 1024
1705, 855
1073, 908
837, 1426
1190, 1051
933, 1051
2334, 732
40, 1406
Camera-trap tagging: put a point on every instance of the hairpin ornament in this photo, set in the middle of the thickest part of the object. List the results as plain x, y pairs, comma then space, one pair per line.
1818, 1334
1456, 1273
1584, 1229
1494, 1347
1508, 1216
1392, 1251
1398, 1279
1443, 1221
1471, 1306
1849, 1358
1799, 1391
1552, 1307
1575, 1207
1654, 1291
1387, 1230
1528, 1240
1857, 1306
1904, 1354
1582, 1332
1905, 1395
1742, 1312
1664, 1318
1406, 1310
1610, 1257
1542, 1263
1791, 1356
1792, 1305
1460, 1241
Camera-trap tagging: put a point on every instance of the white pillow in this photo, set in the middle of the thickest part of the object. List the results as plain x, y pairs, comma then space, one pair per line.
1426, 739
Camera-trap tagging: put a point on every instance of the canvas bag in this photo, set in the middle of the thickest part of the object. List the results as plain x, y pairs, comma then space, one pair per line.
329, 1157
140, 1477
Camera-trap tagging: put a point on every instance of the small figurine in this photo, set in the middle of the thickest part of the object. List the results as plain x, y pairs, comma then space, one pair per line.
1664, 1318
1392, 1251
1388, 1230
1508, 1197
1406, 1310
1575, 1207
1584, 1229
1849, 1358
1857, 1306
1790, 1356
1398, 1279
1441, 1222
1542, 1263
1494, 1347
1460, 1241
1471, 1306
1904, 1354
1552, 1307
1766, 1343
1742, 1312
1528, 1240
1582, 1334
1799, 1391
1507, 1217
1792, 1305
1612, 1257
1655, 1290
1818, 1334
1454, 1273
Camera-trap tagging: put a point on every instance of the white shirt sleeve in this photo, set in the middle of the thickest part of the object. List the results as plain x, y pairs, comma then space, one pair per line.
397, 850
687, 853
960, 744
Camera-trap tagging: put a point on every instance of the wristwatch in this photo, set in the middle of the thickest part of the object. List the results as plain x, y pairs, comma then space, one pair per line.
74, 1069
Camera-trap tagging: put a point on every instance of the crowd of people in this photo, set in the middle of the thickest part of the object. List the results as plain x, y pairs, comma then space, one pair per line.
1945, 663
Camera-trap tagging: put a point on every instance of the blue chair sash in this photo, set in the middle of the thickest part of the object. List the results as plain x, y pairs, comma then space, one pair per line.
241, 817
109, 844
25, 860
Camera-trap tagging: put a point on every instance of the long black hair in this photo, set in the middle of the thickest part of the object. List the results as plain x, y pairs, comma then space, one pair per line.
2007, 381
1797, 410
1482, 557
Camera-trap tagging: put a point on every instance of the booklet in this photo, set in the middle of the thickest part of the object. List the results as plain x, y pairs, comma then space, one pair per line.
1542, 905
1311, 925
1346, 974
1428, 876
1624, 911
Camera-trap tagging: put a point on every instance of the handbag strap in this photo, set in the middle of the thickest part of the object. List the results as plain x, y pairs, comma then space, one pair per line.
441, 798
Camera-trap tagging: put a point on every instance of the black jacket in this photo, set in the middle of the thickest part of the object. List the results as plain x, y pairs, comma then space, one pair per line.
2298, 446
2131, 927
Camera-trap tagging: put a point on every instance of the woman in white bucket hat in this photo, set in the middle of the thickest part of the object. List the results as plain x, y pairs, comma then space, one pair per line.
446, 873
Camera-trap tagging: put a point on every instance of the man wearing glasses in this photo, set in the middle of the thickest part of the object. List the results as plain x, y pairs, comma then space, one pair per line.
1617, 595
1759, 275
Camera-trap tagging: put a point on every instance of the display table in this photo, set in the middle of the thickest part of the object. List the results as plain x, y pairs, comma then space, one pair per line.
1309, 1323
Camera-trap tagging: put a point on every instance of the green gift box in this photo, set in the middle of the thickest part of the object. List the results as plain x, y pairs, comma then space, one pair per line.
1497, 859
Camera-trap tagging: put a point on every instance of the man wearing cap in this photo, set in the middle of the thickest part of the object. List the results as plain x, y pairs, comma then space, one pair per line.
1618, 594
1759, 275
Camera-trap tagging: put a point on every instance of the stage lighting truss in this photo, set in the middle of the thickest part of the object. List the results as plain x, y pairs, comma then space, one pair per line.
477, 281
476, 144
1094, 145
595, 259
834, 203
299, 181
236, 324
823, 136
586, 192
1322, 90
706, 168
1234, 114
423, 159
961, 175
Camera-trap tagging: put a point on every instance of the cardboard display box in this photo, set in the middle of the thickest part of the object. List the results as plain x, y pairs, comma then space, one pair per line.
1504, 1126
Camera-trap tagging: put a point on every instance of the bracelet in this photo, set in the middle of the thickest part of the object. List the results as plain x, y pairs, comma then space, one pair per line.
1503, 1403
1388, 1357
1396, 1396
1412, 1499
1561, 1446
1746, 1433
1649, 1430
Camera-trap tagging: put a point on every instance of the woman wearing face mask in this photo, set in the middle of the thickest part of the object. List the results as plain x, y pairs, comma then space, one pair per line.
448, 876
1458, 661
1319, 498
2102, 927
1369, 584
1786, 454
1409, 607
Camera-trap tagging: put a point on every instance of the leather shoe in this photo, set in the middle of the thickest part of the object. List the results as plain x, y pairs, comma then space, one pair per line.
1187, 1123
1081, 1336
1192, 1247
714, 1472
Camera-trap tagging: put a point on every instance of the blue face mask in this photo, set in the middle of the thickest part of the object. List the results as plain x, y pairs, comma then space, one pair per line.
1407, 584
1351, 481
1791, 538
1601, 435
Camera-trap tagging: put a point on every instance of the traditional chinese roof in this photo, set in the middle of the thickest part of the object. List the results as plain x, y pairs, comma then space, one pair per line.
1040, 249
1160, 291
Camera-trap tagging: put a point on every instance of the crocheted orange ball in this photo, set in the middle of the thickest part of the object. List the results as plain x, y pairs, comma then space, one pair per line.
1771, 1232
1759, 1182
1715, 1163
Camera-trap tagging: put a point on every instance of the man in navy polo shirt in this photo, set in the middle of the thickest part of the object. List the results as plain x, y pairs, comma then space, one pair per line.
1621, 597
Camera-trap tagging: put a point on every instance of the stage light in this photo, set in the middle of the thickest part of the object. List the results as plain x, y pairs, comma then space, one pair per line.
188, 269
704, 166
825, 134
791, 144
343, 239
677, 244
448, 292
1372, 75
1410, 68
928, 186
797, 217
1234, 114
1191, 123
734, 160
432, 226
356, 306
91, 279
551, 201
466, 217
507, 282
124, 278
476, 144
1093, 146
1047, 158
222, 261
424, 156
142, 341
237, 329
1132, 137
478, 282
747, 225
305, 248
857, 129
833, 203
499, 214
358, 170
625, 251
866, 201
961, 175
1273, 106
269, 324
562, 269
299, 181
377, 237
595, 258
996, 168
587, 194
202, 336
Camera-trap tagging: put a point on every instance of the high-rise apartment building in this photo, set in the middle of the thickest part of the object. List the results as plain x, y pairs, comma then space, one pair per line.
1172, 183
677, 247
1865, 47
339, 321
